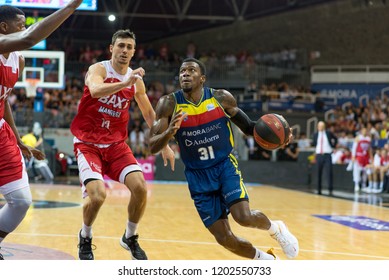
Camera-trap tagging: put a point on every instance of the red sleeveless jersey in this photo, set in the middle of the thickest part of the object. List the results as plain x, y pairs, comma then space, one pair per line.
362, 152
9, 74
104, 120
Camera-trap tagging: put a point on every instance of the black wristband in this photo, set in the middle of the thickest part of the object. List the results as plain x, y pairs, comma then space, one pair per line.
244, 122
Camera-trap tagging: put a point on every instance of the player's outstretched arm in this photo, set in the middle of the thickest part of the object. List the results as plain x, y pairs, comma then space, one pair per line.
37, 32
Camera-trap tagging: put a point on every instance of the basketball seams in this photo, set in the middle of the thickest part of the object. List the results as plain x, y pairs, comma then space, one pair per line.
275, 125
263, 143
271, 131
283, 129
286, 127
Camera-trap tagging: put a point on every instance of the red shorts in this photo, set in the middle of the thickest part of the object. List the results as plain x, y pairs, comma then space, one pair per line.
13, 173
363, 160
115, 161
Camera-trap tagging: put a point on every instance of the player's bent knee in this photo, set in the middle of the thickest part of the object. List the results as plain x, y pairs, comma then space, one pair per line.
98, 198
243, 219
139, 190
137, 186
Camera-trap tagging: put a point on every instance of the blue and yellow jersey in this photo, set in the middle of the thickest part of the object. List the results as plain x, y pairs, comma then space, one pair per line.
205, 137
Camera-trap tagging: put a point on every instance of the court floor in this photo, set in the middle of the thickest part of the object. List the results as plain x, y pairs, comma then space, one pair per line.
328, 228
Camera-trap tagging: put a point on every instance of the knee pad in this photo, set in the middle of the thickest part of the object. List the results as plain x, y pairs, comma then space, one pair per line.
20, 199
15, 210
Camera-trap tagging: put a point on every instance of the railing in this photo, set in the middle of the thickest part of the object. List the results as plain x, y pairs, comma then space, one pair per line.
311, 126
350, 74
296, 130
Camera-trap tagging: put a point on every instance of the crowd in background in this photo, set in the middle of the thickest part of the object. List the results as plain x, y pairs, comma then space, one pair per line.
346, 124
150, 55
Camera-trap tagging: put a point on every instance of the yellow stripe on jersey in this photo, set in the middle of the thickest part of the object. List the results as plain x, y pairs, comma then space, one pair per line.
193, 110
242, 186
231, 134
175, 106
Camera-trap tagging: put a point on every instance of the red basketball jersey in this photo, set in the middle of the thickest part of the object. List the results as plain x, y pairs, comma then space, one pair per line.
104, 120
362, 151
9, 74
12, 171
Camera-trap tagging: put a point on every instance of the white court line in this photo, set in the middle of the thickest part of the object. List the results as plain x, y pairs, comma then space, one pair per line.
206, 243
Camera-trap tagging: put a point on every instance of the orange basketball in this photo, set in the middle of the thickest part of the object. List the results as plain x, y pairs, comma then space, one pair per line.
271, 131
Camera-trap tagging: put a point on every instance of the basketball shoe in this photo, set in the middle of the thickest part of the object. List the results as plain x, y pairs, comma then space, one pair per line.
85, 248
287, 241
131, 244
1, 257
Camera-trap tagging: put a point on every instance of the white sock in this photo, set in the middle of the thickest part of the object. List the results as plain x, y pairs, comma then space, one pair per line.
381, 187
86, 231
131, 229
273, 228
261, 255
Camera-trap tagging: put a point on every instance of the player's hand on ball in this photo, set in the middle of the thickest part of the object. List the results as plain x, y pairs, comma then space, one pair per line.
289, 140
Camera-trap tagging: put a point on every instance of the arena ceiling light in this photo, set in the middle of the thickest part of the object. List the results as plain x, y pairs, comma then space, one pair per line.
111, 18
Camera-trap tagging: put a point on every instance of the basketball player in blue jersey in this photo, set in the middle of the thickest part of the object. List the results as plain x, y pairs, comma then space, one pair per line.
199, 118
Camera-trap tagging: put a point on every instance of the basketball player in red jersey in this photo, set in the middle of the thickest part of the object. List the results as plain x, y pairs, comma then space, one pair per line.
14, 185
100, 130
215, 182
362, 155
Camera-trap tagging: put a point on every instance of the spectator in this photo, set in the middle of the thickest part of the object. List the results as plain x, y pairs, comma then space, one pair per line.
191, 50
361, 155
290, 153
341, 156
303, 142
376, 171
325, 142
137, 137
39, 168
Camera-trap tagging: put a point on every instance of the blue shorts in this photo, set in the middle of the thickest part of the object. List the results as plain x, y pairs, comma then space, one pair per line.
215, 189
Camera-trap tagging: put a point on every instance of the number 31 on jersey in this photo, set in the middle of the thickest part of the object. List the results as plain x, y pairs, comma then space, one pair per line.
206, 153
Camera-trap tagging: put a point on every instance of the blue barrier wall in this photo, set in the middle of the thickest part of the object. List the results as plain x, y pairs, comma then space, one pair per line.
348, 92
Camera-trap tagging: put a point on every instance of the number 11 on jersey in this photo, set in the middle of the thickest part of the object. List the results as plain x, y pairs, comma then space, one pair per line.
105, 124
